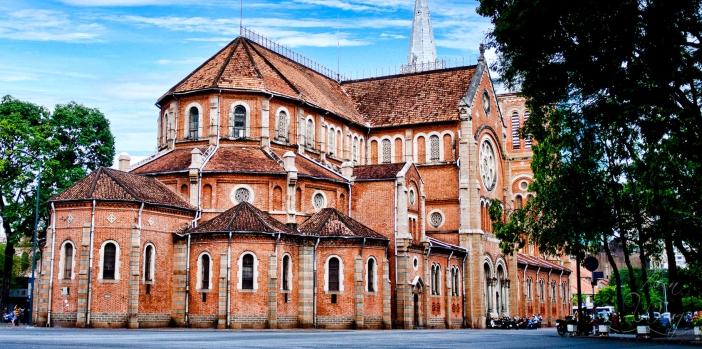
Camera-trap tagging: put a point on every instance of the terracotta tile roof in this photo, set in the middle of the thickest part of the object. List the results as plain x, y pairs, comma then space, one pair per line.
539, 262
424, 97
310, 168
445, 245
113, 185
329, 222
243, 64
375, 172
243, 159
176, 160
242, 218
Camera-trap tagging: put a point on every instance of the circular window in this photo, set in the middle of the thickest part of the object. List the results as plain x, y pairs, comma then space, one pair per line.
435, 219
486, 103
412, 196
523, 185
319, 201
487, 165
241, 194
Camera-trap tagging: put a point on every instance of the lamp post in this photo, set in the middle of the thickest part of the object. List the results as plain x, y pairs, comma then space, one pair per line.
30, 296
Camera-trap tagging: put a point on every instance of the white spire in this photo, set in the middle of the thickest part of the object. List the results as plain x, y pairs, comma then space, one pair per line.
422, 55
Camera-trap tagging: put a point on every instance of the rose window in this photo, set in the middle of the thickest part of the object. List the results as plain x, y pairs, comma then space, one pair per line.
488, 171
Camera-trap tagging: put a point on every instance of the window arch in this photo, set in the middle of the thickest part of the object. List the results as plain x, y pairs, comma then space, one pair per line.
67, 261
334, 275
286, 273
354, 149
515, 131
527, 289
204, 272
248, 271
518, 202
386, 151
237, 121
331, 148
193, 123
282, 126
149, 263
309, 134
109, 260
527, 138
434, 148
542, 294
435, 279
371, 275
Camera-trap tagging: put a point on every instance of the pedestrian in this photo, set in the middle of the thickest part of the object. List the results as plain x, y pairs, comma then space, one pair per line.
16, 317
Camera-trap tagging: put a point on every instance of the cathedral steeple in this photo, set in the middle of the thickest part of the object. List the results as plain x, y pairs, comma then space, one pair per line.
422, 55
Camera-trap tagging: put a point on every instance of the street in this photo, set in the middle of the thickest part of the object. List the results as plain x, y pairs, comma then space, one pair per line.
29, 337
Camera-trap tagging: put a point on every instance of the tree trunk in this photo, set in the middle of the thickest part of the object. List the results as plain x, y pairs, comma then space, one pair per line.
7, 272
633, 289
617, 278
673, 295
644, 278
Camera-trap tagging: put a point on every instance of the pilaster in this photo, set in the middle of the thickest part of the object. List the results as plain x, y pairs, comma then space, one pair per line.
222, 294
305, 289
133, 305
358, 292
273, 291
265, 123
82, 299
178, 296
214, 119
387, 295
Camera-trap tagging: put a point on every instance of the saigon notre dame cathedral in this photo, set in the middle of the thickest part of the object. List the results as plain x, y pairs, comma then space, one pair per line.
281, 196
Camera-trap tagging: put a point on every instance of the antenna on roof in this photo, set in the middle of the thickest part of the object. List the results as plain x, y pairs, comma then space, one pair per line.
241, 16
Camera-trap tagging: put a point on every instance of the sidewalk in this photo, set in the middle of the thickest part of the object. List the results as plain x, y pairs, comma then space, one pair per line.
680, 336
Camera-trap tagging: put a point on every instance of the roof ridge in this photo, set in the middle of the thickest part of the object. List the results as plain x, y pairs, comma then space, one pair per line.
277, 71
94, 184
226, 62
423, 72
125, 187
251, 60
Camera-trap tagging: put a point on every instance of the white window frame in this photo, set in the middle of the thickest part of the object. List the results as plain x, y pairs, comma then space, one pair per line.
252, 194
186, 127
62, 260
240, 272
247, 118
152, 261
326, 202
198, 280
341, 274
310, 143
373, 277
443, 218
286, 138
290, 273
102, 261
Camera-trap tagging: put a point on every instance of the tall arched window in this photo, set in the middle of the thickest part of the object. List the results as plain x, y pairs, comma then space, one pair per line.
527, 138
238, 122
247, 272
285, 273
518, 202
331, 145
515, 131
456, 282
149, 263
204, 272
387, 151
371, 275
67, 253
194, 123
109, 261
435, 279
309, 136
488, 288
354, 149
333, 274
282, 126
434, 146
542, 294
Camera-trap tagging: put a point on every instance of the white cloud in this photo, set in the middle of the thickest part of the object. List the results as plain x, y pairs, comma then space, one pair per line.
117, 3
392, 36
47, 25
359, 5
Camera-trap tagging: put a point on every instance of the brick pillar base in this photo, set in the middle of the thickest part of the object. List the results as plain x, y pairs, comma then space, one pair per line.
134, 273
222, 294
358, 292
82, 293
387, 295
305, 291
273, 291
178, 306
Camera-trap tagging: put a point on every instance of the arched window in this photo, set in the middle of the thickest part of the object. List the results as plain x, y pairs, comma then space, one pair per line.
247, 272
563, 293
434, 146
309, 136
528, 289
66, 263
354, 149
282, 126
194, 123
204, 272
518, 202
553, 291
334, 281
331, 148
515, 130
387, 151
238, 122
527, 138
456, 282
541, 291
371, 275
109, 261
285, 273
435, 279
149, 262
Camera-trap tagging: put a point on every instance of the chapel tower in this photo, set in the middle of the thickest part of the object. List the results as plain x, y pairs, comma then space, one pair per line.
422, 53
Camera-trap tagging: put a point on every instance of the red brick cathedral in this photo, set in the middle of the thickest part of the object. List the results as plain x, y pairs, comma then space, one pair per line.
281, 197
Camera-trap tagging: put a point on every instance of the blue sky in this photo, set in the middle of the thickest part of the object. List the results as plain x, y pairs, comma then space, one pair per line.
121, 55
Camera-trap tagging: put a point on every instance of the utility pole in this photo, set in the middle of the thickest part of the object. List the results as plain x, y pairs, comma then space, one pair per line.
34, 249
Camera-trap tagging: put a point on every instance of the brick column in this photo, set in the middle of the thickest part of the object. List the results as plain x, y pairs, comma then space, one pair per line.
178, 307
222, 294
300, 116
387, 295
41, 291
305, 287
273, 291
449, 295
358, 291
82, 299
404, 309
214, 119
428, 294
133, 305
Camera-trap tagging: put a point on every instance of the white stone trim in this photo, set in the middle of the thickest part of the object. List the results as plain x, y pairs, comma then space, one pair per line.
501, 263
326, 202
118, 261
152, 261
498, 164
252, 194
490, 264
290, 272
307, 133
373, 277
186, 127
443, 218
247, 127
341, 273
62, 260
240, 273
198, 278
287, 123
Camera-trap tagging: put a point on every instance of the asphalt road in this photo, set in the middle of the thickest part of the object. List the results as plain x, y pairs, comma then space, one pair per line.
28, 337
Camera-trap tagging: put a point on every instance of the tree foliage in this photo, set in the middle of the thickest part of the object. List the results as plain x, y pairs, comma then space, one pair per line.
62, 147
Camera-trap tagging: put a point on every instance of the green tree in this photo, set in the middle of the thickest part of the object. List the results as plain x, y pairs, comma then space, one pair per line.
63, 147
631, 71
